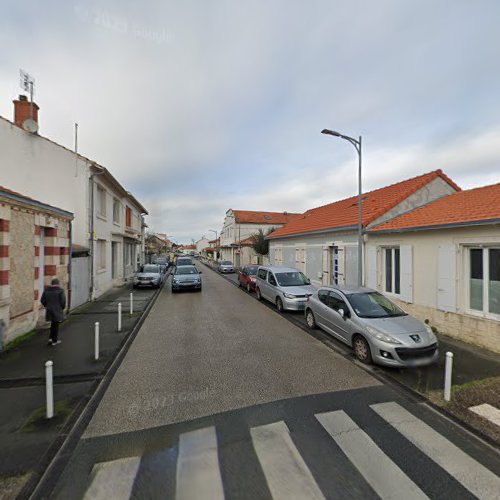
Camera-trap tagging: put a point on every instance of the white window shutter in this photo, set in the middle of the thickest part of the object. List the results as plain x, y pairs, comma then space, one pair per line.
341, 265
326, 256
446, 282
406, 273
371, 267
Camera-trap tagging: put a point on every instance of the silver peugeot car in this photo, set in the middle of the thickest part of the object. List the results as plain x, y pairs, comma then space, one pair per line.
285, 287
377, 329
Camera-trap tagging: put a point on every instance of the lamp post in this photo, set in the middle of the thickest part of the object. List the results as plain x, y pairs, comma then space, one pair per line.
357, 145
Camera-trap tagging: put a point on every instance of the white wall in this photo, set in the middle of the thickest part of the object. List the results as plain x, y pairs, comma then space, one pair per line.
38, 168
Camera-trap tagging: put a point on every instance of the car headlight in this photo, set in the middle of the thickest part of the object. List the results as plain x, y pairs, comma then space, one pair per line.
432, 336
289, 296
382, 336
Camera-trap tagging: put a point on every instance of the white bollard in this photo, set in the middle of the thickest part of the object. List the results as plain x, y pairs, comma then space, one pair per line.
447, 375
119, 316
49, 389
131, 303
96, 340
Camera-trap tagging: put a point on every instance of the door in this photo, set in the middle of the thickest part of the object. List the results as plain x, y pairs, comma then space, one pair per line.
322, 310
334, 266
271, 286
114, 259
333, 319
80, 280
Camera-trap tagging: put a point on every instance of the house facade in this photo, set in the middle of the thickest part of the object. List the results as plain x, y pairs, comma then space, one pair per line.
240, 225
323, 242
35, 241
108, 221
441, 262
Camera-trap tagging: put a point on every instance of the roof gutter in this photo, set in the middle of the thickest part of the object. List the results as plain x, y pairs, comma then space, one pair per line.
307, 233
452, 225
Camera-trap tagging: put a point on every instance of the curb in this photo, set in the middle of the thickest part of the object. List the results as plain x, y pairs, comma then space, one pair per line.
54, 460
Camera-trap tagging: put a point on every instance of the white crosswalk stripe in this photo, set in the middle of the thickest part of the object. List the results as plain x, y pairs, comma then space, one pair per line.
381, 473
471, 474
287, 475
198, 473
113, 479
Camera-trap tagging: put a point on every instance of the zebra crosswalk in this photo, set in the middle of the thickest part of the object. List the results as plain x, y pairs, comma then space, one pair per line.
288, 471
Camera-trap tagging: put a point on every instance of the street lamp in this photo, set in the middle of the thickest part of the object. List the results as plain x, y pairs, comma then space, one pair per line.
357, 144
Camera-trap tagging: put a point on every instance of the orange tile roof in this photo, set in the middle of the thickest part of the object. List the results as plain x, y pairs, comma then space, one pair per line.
253, 217
474, 205
344, 213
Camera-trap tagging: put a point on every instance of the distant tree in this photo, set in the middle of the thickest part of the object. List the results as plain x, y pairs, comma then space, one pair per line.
259, 242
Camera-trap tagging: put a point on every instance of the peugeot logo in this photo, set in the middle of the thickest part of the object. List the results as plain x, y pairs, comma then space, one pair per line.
416, 338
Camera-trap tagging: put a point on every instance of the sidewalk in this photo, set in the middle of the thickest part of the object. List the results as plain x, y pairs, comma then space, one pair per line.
25, 434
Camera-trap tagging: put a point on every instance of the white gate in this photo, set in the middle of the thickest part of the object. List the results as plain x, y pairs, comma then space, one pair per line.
80, 280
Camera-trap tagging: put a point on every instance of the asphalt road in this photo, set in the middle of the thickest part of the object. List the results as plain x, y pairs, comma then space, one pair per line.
221, 397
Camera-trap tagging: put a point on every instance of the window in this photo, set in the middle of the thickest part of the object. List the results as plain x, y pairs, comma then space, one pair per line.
484, 280
336, 302
62, 257
116, 211
128, 216
271, 279
101, 255
129, 254
392, 270
101, 201
323, 296
262, 274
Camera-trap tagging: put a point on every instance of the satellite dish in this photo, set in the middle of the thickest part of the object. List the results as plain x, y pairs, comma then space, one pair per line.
30, 126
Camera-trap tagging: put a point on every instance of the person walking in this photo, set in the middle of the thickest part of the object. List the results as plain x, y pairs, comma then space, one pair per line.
54, 301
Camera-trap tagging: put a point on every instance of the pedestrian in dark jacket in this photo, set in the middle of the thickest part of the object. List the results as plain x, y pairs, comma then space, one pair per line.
54, 301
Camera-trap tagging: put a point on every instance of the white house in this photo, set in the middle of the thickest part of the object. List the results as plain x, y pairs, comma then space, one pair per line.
323, 242
107, 225
240, 225
442, 263
201, 244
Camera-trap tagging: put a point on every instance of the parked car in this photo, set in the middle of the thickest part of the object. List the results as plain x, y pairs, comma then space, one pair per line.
226, 266
286, 287
186, 278
163, 263
247, 276
149, 275
378, 330
184, 261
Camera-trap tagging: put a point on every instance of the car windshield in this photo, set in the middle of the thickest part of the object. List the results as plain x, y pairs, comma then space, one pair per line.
374, 305
252, 270
186, 270
150, 268
227, 263
292, 278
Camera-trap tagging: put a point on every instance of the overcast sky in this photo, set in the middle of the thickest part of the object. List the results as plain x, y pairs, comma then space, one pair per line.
201, 106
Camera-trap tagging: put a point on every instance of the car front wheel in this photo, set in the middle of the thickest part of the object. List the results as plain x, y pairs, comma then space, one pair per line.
279, 304
362, 349
311, 322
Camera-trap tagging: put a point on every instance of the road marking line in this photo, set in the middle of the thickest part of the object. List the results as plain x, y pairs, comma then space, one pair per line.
471, 474
381, 473
488, 412
198, 472
287, 475
113, 479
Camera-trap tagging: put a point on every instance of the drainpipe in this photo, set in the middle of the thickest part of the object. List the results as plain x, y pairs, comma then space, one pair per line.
92, 225
70, 267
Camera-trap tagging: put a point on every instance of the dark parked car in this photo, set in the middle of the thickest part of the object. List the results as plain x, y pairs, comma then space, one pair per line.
247, 276
184, 261
186, 278
149, 275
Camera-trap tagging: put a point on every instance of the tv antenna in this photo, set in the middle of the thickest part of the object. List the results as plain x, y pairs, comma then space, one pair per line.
27, 83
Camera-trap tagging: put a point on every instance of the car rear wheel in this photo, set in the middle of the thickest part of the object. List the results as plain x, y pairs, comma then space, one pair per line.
311, 322
279, 304
362, 349
258, 294
249, 288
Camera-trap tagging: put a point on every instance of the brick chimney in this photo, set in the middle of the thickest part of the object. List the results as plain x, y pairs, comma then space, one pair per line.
22, 110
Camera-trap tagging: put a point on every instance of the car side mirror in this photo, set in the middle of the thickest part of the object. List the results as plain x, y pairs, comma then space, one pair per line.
308, 281
200, 272
343, 313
